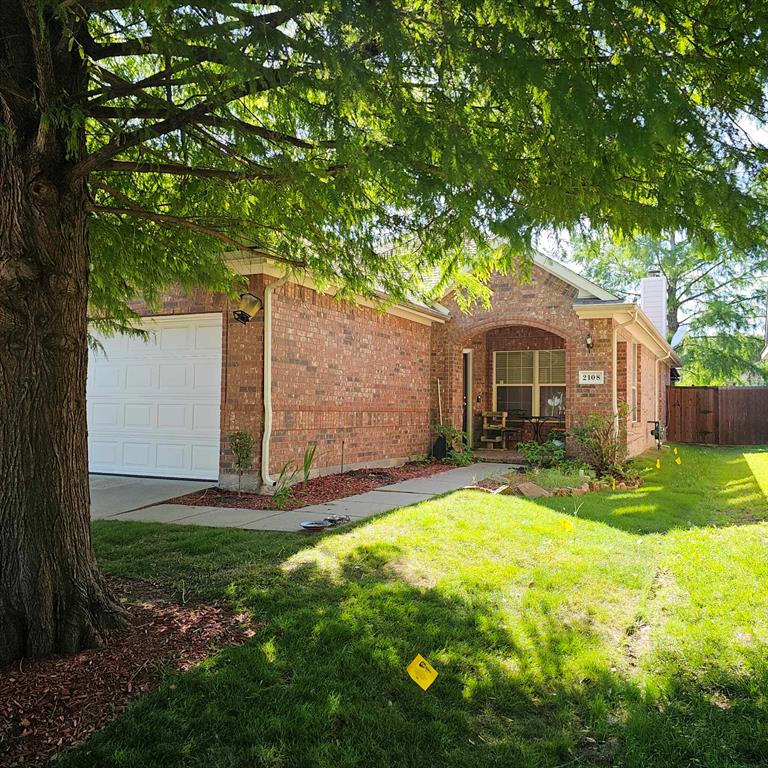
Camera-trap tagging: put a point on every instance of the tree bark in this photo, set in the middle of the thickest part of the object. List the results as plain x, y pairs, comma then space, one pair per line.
52, 597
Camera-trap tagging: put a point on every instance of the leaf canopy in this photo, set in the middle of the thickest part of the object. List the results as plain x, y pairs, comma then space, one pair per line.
368, 142
716, 294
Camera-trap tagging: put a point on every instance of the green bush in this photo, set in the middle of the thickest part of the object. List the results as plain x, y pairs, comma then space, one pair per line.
457, 443
550, 453
243, 447
603, 445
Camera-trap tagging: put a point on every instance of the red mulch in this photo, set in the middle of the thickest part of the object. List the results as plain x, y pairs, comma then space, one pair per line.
317, 491
52, 703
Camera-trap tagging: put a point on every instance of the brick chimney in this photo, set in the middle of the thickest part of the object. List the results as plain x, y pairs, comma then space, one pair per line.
653, 299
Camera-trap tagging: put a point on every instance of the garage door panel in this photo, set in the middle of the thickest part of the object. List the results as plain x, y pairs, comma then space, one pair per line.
204, 455
173, 416
154, 408
140, 377
208, 337
172, 456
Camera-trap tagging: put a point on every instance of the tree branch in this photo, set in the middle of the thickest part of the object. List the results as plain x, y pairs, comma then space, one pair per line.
177, 169
134, 113
180, 221
125, 141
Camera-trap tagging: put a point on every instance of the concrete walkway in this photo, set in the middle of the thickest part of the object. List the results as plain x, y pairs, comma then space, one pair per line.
113, 494
358, 507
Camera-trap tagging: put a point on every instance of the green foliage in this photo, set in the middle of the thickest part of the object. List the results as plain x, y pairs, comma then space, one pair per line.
549, 453
723, 359
604, 446
565, 475
243, 446
714, 290
369, 143
283, 491
307, 461
459, 451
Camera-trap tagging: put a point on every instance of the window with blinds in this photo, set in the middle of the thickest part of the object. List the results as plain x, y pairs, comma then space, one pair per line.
530, 383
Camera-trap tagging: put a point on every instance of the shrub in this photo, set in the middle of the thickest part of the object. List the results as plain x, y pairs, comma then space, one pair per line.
550, 453
243, 446
309, 458
283, 491
457, 444
603, 445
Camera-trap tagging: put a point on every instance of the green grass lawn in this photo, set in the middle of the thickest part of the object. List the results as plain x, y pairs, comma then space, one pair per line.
615, 629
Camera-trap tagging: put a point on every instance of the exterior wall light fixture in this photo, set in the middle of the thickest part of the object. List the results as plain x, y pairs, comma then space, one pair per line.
589, 341
249, 306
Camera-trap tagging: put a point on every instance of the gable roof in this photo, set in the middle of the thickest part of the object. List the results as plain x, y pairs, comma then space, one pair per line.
586, 288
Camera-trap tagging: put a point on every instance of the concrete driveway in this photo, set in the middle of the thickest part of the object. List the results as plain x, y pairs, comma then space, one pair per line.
115, 494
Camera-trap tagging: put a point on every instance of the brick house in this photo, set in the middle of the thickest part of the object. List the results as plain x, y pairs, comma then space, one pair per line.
367, 385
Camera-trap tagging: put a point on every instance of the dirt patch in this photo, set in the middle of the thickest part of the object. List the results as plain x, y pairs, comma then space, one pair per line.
49, 704
319, 490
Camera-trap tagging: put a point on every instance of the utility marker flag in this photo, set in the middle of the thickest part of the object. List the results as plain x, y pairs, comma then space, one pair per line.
675, 451
658, 463
422, 672
678, 460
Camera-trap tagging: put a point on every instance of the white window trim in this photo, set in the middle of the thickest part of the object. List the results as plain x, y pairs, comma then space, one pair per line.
535, 385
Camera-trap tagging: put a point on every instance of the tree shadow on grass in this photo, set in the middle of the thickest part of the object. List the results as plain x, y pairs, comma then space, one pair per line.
324, 685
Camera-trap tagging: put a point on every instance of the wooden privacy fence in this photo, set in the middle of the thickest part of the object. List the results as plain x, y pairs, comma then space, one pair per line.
717, 415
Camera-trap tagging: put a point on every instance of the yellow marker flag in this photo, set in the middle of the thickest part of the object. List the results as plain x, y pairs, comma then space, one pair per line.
566, 524
422, 672
678, 460
658, 463
675, 451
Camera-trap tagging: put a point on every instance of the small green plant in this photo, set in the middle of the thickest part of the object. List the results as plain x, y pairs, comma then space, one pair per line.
457, 445
603, 445
308, 460
283, 491
243, 446
550, 453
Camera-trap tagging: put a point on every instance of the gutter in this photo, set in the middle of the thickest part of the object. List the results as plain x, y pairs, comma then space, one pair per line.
656, 382
269, 289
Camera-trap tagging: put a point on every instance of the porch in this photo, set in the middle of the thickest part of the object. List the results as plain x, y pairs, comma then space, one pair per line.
513, 388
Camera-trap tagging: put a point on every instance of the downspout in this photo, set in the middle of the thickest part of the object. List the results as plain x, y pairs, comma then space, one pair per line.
658, 361
269, 289
614, 372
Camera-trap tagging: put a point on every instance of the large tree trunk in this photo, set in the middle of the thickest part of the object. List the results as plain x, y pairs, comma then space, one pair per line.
51, 595
52, 598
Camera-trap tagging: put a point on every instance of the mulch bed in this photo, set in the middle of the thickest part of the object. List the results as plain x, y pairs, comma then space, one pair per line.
49, 704
319, 490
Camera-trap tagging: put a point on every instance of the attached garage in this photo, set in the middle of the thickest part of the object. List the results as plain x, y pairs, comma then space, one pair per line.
154, 406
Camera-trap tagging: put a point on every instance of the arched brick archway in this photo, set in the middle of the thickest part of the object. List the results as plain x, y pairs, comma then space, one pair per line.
484, 337
484, 326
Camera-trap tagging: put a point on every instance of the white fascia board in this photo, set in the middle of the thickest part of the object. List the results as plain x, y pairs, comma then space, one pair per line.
251, 264
642, 329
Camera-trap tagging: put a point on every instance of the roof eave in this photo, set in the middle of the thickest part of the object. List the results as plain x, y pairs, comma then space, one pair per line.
627, 311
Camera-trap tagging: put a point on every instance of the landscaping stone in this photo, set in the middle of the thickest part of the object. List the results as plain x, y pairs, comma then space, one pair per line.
532, 491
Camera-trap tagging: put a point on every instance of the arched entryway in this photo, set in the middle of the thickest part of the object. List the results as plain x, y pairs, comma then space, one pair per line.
519, 369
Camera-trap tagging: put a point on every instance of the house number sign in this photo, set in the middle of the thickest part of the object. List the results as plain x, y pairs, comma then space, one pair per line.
591, 377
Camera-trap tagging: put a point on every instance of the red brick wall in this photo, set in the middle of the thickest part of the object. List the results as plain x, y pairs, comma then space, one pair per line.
639, 437
351, 374
542, 311
346, 374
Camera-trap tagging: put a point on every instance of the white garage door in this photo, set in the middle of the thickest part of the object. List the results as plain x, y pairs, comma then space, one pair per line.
153, 407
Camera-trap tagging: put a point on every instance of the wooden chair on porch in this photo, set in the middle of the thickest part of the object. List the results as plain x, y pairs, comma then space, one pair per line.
494, 423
